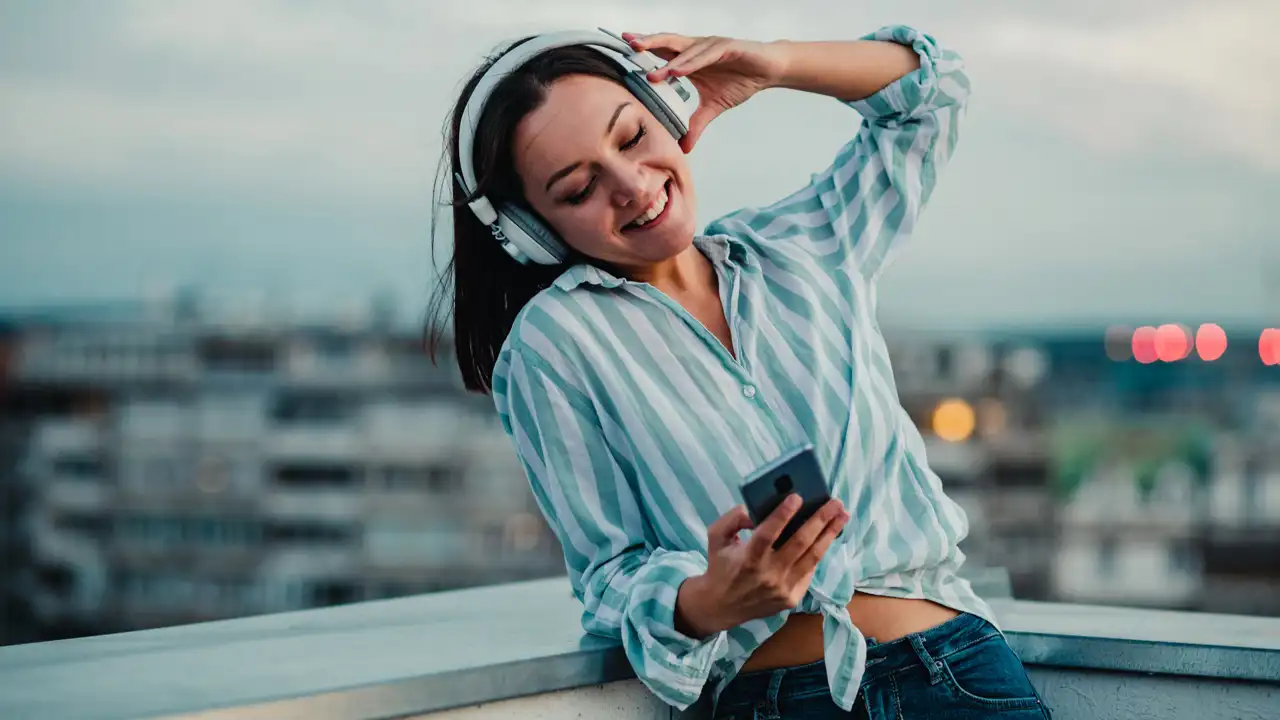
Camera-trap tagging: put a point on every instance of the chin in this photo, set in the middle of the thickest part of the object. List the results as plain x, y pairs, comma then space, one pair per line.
666, 245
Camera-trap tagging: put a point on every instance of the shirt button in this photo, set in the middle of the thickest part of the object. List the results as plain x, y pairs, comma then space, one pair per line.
749, 390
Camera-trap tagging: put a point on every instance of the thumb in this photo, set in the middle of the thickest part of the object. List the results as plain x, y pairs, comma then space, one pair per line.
697, 123
724, 531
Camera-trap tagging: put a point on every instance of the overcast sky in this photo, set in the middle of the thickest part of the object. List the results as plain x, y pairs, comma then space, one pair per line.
1119, 162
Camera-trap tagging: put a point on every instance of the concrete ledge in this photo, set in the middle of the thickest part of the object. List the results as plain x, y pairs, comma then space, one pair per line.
461, 650
1228, 647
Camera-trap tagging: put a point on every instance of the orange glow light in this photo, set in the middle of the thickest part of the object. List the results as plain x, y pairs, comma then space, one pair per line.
954, 420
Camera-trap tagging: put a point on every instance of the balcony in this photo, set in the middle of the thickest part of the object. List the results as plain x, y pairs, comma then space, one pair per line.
517, 650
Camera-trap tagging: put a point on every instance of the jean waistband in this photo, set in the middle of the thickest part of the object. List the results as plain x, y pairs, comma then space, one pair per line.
926, 647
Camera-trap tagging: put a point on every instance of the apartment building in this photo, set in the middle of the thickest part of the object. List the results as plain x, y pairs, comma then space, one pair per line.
166, 469
212, 471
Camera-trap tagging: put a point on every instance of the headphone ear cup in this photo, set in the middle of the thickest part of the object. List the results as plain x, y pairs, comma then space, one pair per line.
533, 237
644, 92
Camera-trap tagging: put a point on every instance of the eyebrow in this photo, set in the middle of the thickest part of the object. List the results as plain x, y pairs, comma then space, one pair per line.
559, 174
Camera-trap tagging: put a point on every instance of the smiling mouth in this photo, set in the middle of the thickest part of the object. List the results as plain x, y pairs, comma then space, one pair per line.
655, 214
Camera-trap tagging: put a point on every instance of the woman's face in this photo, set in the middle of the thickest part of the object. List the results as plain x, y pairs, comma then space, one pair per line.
606, 174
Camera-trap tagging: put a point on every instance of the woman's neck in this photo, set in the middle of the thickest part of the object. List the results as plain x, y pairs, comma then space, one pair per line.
688, 274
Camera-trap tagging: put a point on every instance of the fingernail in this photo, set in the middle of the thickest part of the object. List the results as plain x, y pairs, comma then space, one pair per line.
793, 501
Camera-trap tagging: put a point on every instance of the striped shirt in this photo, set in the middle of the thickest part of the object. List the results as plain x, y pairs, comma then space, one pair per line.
636, 426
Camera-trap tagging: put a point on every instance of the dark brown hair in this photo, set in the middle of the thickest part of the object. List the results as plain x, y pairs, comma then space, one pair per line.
488, 287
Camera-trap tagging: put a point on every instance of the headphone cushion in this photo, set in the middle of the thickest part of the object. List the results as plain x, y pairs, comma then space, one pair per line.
536, 231
643, 92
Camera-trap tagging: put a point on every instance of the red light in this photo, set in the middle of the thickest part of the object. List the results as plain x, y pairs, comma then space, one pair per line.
1172, 343
1269, 346
1144, 345
1211, 342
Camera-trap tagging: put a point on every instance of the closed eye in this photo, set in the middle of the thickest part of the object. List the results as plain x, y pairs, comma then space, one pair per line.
581, 197
635, 140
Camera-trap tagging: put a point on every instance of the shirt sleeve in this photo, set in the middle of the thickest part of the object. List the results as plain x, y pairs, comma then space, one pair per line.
626, 585
861, 208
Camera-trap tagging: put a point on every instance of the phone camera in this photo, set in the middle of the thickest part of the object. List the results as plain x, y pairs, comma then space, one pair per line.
783, 485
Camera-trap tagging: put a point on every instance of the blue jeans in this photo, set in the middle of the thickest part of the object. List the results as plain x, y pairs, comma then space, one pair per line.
959, 670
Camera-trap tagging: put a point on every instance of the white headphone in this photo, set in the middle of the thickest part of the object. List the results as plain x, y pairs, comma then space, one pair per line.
522, 235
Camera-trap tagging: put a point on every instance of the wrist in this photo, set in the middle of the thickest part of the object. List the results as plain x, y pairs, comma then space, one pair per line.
783, 52
696, 609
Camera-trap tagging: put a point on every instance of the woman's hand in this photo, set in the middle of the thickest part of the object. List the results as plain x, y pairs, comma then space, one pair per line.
748, 580
725, 71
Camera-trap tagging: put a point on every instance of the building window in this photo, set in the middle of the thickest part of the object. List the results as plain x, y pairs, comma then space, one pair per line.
304, 476
309, 408
311, 532
443, 478
1182, 558
161, 531
237, 355
333, 592
92, 527
436, 478
79, 467
1107, 548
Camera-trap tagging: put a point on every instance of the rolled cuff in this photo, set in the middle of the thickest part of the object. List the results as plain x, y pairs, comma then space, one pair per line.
673, 665
920, 91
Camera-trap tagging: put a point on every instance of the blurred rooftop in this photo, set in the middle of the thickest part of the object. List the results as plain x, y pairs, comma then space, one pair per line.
517, 650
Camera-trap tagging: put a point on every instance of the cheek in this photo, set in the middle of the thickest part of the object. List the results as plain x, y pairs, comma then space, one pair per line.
587, 229
589, 221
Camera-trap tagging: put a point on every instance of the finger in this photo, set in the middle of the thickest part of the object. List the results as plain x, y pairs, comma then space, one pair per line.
809, 533
663, 53
764, 536
697, 57
690, 61
810, 559
697, 123
724, 531
660, 42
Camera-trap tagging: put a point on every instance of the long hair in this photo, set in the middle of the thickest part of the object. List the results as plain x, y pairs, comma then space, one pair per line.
483, 286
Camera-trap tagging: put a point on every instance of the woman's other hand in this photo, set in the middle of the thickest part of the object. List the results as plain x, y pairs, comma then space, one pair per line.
751, 579
725, 71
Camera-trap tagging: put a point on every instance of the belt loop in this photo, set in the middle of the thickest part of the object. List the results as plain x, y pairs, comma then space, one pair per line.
933, 666
770, 710
766, 708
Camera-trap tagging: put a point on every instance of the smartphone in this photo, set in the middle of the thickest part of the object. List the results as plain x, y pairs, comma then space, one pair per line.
798, 471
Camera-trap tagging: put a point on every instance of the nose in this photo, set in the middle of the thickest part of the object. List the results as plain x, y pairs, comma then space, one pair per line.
632, 186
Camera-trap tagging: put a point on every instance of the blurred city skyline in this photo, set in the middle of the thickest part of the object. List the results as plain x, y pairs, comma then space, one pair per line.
1116, 164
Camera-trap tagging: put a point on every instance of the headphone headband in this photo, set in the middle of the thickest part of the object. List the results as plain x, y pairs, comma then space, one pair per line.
522, 236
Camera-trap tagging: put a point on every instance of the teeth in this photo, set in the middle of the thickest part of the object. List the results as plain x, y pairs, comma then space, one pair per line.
654, 210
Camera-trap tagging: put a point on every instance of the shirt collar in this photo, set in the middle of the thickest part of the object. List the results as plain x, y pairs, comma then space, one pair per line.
721, 250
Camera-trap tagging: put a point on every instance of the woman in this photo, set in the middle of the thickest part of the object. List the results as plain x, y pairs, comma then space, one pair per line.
646, 374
